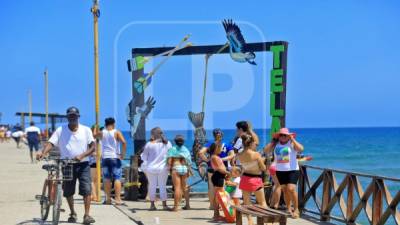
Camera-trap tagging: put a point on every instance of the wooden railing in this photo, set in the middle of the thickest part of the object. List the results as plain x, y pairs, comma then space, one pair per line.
351, 203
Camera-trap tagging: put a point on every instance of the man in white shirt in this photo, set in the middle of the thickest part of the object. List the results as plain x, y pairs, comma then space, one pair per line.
75, 141
32, 134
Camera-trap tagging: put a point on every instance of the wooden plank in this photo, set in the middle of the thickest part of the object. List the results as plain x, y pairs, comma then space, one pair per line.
272, 210
391, 209
245, 210
269, 217
350, 197
363, 203
302, 187
338, 194
312, 190
389, 200
260, 220
376, 203
326, 196
239, 219
353, 173
206, 49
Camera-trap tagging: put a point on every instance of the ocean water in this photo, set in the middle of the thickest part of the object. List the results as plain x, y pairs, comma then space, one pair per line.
373, 151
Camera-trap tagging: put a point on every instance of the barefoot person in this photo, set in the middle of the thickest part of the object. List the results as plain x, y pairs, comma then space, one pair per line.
154, 165
226, 154
75, 141
253, 166
287, 167
179, 161
218, 177
111, 139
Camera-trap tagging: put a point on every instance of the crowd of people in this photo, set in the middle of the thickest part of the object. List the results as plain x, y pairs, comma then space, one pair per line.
31, 136
237, 167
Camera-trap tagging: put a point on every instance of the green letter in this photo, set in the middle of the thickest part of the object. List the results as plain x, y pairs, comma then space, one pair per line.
276, 50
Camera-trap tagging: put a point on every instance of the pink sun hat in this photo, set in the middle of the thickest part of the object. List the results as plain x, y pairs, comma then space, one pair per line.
285, 131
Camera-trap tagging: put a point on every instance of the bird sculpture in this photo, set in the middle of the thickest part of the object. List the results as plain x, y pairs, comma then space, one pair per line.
237, 44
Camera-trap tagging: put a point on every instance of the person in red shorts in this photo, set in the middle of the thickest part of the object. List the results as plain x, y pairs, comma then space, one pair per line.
253, 166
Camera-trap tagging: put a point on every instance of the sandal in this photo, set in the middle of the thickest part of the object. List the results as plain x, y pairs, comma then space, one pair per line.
88, 219
121, 203
106, 203
72, 218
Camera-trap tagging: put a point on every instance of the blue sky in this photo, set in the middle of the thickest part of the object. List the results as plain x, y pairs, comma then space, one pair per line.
343, 64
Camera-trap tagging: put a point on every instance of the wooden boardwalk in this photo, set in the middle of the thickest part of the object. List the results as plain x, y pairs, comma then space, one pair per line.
198, 215
20, 181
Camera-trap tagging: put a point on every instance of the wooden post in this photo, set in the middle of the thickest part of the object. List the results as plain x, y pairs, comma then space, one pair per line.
53, 123
350, 198
239, 219
326, 196
96, 13
302, 187
139, 139
260, 220
23, 121
30, 105
376, 203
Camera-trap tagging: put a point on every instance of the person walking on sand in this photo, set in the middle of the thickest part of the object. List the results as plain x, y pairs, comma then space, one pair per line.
154, 165
111, 139
17, 135
32, 134
75, 141
179, 162
287, 168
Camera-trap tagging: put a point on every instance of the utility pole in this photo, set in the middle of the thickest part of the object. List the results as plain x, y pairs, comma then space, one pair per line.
30, 105
46, 94
96, 14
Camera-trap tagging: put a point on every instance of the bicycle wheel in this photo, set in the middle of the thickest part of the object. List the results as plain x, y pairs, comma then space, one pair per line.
45, 201
57, 204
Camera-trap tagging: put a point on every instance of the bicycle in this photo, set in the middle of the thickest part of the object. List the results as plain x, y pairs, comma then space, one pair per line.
57, 172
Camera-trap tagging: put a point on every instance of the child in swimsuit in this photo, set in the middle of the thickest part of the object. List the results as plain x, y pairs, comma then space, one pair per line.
233, 185
179, 161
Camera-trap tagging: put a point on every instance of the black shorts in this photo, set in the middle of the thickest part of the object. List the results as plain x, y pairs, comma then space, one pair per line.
93, 165
81, 172
218, 179
288, 177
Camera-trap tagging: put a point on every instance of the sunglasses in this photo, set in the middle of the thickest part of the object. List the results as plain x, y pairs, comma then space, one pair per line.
283, 135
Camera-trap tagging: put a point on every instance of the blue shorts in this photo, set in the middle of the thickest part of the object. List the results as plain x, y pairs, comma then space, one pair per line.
112, 168
33, 145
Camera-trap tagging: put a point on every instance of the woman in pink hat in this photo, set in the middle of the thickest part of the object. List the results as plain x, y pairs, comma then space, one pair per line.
285, 148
